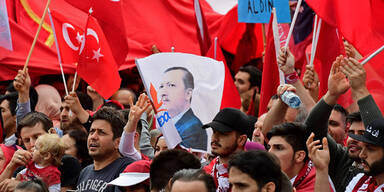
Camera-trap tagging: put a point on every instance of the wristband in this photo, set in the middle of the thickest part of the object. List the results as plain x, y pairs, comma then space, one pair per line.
291, 78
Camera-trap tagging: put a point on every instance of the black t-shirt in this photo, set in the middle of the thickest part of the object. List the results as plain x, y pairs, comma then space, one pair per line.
91, 180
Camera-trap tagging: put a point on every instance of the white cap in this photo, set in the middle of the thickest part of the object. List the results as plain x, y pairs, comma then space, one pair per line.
129, 179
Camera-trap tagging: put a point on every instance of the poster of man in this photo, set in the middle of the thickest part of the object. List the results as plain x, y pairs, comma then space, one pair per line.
189, 88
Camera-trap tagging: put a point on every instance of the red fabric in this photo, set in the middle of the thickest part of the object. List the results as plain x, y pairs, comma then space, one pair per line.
43, 60
270, 77
219, 172
110, 16
96, 63
231, 32
50, 174
69, 38
8, 152
328, 48
206, 43
360, 22
231, 97
305, 179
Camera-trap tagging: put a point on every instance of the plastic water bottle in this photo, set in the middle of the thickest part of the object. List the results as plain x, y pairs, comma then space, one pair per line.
291, 99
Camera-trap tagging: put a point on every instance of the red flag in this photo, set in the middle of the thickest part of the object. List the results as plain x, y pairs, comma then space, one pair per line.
360, 23
329, 46
231, 97
270, 78
202, 29
43, 60
96, 63
69, 38
110, 16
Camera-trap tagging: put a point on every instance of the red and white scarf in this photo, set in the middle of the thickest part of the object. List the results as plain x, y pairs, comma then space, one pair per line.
364, 183
219, 172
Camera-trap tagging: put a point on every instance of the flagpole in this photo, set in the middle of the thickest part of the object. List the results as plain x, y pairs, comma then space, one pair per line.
315, 45
276, 38
313, 40
215, 48
58, 51
36, 36
74, 82
264, 36
373, 55
293, 23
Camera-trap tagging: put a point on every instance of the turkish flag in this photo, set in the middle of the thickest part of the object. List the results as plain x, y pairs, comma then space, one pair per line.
110, 16
69, 38
231, 97
96, 63
360, 23
270, 77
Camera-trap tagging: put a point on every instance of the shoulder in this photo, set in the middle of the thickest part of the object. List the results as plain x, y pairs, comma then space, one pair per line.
354, 182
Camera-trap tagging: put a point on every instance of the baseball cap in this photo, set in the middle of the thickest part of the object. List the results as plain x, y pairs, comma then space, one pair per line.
135, 173
374, 133
230, 119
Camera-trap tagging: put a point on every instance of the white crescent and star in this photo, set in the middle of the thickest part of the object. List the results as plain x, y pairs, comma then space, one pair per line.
66, 37
96, 53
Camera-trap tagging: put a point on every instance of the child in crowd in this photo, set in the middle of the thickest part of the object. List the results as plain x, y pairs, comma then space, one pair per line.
35, 185
46, 157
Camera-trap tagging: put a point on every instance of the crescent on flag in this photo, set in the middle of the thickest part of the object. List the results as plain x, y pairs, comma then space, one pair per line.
66, 37
92, 33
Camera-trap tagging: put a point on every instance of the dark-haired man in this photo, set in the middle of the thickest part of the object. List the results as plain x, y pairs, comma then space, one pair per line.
168, 163
287, 142
230, 129
256, 171
337, 124
248, 83
103, 142
30, 127
191, 180
175, 92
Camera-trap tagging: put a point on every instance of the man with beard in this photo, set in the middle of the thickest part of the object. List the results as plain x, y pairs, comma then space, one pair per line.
230, 128
103, 146
372, 157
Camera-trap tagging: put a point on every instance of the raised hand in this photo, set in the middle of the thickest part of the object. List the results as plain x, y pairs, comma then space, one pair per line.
22, 83
351, 52
356, 75
286, 61
136, 111
337, 82
20, 158
310, 79
320, 157
286, 87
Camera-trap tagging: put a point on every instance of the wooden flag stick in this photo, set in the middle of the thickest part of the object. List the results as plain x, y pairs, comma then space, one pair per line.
310, 63
372, 55
58, 52
293, 23
36, 36
276, 38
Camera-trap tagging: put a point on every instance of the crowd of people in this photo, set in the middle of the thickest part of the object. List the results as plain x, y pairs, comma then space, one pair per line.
81, 142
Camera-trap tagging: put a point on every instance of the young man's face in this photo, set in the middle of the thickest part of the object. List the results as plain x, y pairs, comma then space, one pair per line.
8, 119
241, 182
224, 143
283, 151
372, 157
336, 126
100, 140
354, 146
29, 135
242, 81
173, 93
66, 117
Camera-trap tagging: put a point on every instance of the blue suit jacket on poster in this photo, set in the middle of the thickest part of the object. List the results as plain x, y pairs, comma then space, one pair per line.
191, 132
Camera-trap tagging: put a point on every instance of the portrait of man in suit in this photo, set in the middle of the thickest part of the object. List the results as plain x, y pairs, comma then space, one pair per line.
175, 91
